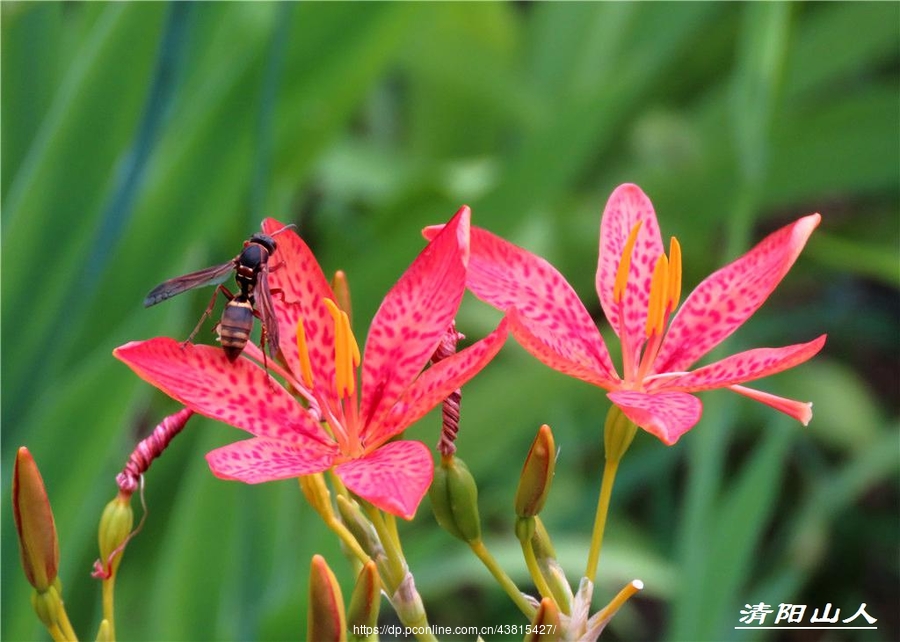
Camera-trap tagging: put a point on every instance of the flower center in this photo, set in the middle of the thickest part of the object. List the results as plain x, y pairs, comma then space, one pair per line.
665, 293
343, 418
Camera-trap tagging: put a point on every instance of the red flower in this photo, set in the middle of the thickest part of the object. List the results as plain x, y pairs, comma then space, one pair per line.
639, 289
335, 426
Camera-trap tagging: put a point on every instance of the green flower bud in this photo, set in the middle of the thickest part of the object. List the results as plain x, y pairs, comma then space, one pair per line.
537, 474
114, 531
104, 633
317, 494
326, 620
618, 433
360, 527
545, 625
36, 529
553, 573
362, 616
454, 499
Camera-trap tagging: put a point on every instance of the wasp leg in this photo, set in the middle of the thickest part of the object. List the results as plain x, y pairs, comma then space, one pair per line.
262, 346
208, 311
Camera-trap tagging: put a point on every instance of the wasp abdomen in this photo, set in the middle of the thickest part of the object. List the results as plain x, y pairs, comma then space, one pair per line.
235, 327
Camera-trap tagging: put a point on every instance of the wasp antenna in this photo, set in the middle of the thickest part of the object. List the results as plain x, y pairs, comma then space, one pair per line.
284, 228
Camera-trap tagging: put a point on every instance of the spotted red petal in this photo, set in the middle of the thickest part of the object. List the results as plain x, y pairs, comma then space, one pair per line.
435, 384
558, 326
668, 415
744, 366
549, 348
262, 459
303, 288
799, 410
414, 316
727, 298
394, 478
627, 206
239, 393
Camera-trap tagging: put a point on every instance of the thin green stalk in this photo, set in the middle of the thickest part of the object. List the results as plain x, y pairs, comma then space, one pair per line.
535, 570
609, 476
502, 578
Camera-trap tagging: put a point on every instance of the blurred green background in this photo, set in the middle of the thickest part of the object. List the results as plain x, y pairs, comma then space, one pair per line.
141, 141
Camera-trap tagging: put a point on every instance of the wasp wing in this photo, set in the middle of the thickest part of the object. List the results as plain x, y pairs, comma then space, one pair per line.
211, 275
270, 322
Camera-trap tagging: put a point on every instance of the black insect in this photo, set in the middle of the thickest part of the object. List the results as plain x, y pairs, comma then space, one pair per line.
254, 298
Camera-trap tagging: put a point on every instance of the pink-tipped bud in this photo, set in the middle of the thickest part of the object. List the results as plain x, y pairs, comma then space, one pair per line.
454, 500
362, 616
326, 620
545, 625
537, 474
33, 516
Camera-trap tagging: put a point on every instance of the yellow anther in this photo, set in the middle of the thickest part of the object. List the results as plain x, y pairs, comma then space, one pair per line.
342, 292
303, 351
674, 274
625, 264
659, 292
346, 351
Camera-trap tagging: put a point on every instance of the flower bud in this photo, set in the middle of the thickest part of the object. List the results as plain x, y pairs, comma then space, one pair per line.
114, 531
618, 433
33, 516
545, 625
317, 494
553, 573
537, 474
454, 500
364, 604
326, 620
360, 527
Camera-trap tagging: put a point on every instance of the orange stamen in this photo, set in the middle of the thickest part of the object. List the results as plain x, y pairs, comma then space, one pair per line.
346, 351
674, 274
625, 264
659, 293
303, 351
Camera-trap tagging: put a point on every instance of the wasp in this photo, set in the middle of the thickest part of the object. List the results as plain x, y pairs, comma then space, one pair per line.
253, 299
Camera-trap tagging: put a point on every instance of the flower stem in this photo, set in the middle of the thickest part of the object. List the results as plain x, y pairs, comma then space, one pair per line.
108, 588
618, 433
609, 476
65, 625
395, 575
502, 578
535, 570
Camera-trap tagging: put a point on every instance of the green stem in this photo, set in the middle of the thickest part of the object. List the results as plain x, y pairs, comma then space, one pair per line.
108, 588
535, 570
609, 476
504, 580
412, 614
